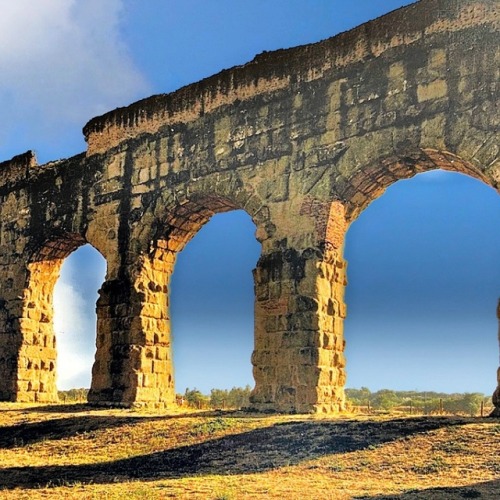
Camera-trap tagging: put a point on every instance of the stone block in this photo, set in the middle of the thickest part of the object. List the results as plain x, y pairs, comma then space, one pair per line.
436, 89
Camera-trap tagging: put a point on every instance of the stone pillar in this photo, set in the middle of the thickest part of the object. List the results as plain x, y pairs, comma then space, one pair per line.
36, 370
133, 364
298, 361
9, 346
496, 394
27, 339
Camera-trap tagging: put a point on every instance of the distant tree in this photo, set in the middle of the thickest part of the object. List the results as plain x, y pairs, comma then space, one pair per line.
385, 399
419, 402
239, 397
219, 398
358, 397
73, 395
471, 403
195, 399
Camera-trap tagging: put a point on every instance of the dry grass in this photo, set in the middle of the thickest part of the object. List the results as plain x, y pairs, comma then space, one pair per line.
72, 451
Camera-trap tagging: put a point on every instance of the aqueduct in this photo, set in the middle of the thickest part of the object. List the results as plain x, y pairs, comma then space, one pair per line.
302, 140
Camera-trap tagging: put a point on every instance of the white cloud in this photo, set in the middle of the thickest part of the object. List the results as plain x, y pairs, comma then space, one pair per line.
75, 333
61, 63
75, 295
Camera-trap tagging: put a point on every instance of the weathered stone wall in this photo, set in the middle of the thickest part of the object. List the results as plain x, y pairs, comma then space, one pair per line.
302, 140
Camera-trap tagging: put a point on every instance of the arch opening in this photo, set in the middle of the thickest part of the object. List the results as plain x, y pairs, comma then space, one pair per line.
75, 321
423, 287
370, 183
212, 305
39, 322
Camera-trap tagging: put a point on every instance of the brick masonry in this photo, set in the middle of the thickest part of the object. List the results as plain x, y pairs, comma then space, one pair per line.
302, 140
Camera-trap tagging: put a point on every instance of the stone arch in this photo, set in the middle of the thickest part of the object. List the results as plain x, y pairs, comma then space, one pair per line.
134, 365
178, 216
182, 222
370, 182
37, 355
325, 272
367, 184
423, 290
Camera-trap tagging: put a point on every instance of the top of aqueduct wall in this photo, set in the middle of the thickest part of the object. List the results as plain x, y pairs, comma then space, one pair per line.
271, 71
267, 72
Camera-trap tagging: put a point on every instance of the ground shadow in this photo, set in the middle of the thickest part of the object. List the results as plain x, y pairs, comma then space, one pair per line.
249, 452
25, 434
88, 407
55, 408
484, 490
19, 435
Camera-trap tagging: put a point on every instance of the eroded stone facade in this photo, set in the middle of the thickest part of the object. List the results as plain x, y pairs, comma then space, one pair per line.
302, 140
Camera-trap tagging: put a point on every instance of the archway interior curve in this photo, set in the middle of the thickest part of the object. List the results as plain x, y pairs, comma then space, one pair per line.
212, 304
75, 322
423, 286
180, 226
370, 182
38, 354
210, 295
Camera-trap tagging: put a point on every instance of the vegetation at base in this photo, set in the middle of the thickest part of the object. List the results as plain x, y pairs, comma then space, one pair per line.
73, 395
415, 402
385, 400
76, 452
210, 427
223, 399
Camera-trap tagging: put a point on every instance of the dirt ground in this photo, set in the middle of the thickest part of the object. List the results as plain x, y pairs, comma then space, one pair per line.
74, 451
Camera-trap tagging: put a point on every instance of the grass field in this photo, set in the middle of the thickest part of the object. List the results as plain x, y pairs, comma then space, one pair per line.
73, 451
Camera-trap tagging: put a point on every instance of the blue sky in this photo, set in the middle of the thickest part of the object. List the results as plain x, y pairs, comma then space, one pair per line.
424, 272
